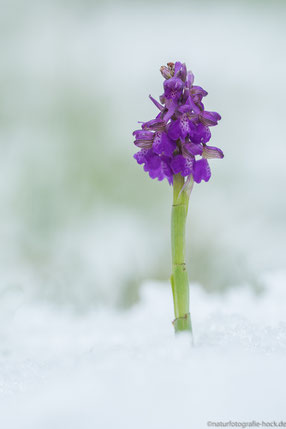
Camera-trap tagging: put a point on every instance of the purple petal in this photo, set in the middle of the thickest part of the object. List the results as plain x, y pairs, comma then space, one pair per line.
143, 139
157, 167
188, 169
154, 125
183, 72
190, 79
209, 118
173, 88
140, 156
198, 90
166, 168
171, 105
194, 148
186, 126
200, 134
178, 164
212, 152
157, 143
182, 165
185, 108
156, 174
178, 67
174, 130
163, 144
143, 144
153, 161
157, 104
143, 134
193, 105
181, 128
170, 180
168, 145
201, 171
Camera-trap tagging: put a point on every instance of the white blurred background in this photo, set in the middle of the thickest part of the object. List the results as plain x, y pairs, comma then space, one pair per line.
85, 233
81, 223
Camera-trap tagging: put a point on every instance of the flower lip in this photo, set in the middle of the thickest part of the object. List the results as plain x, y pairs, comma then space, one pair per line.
173, 88
162, 144
182, 165
140, 156
181, 128
201, 171
200, 134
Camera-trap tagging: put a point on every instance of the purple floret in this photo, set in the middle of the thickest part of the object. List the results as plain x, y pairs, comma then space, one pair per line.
201, 171
173, 88
182, 165
175, 141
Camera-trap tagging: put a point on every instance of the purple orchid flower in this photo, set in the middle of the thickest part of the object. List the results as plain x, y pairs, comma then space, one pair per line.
175, 141
201, 171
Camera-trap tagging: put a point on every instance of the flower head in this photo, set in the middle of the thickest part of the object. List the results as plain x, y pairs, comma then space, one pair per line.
175, 141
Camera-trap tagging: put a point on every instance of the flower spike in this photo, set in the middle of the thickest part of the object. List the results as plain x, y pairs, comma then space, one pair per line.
179, 133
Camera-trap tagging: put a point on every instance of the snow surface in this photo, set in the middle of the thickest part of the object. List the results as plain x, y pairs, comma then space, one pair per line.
111, 369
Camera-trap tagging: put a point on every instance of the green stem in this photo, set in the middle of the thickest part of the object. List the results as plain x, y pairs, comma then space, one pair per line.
179, 277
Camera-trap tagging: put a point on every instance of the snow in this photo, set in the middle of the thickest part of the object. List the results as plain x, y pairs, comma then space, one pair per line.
109, 368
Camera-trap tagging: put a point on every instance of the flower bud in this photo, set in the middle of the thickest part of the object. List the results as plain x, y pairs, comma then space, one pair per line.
166, 72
